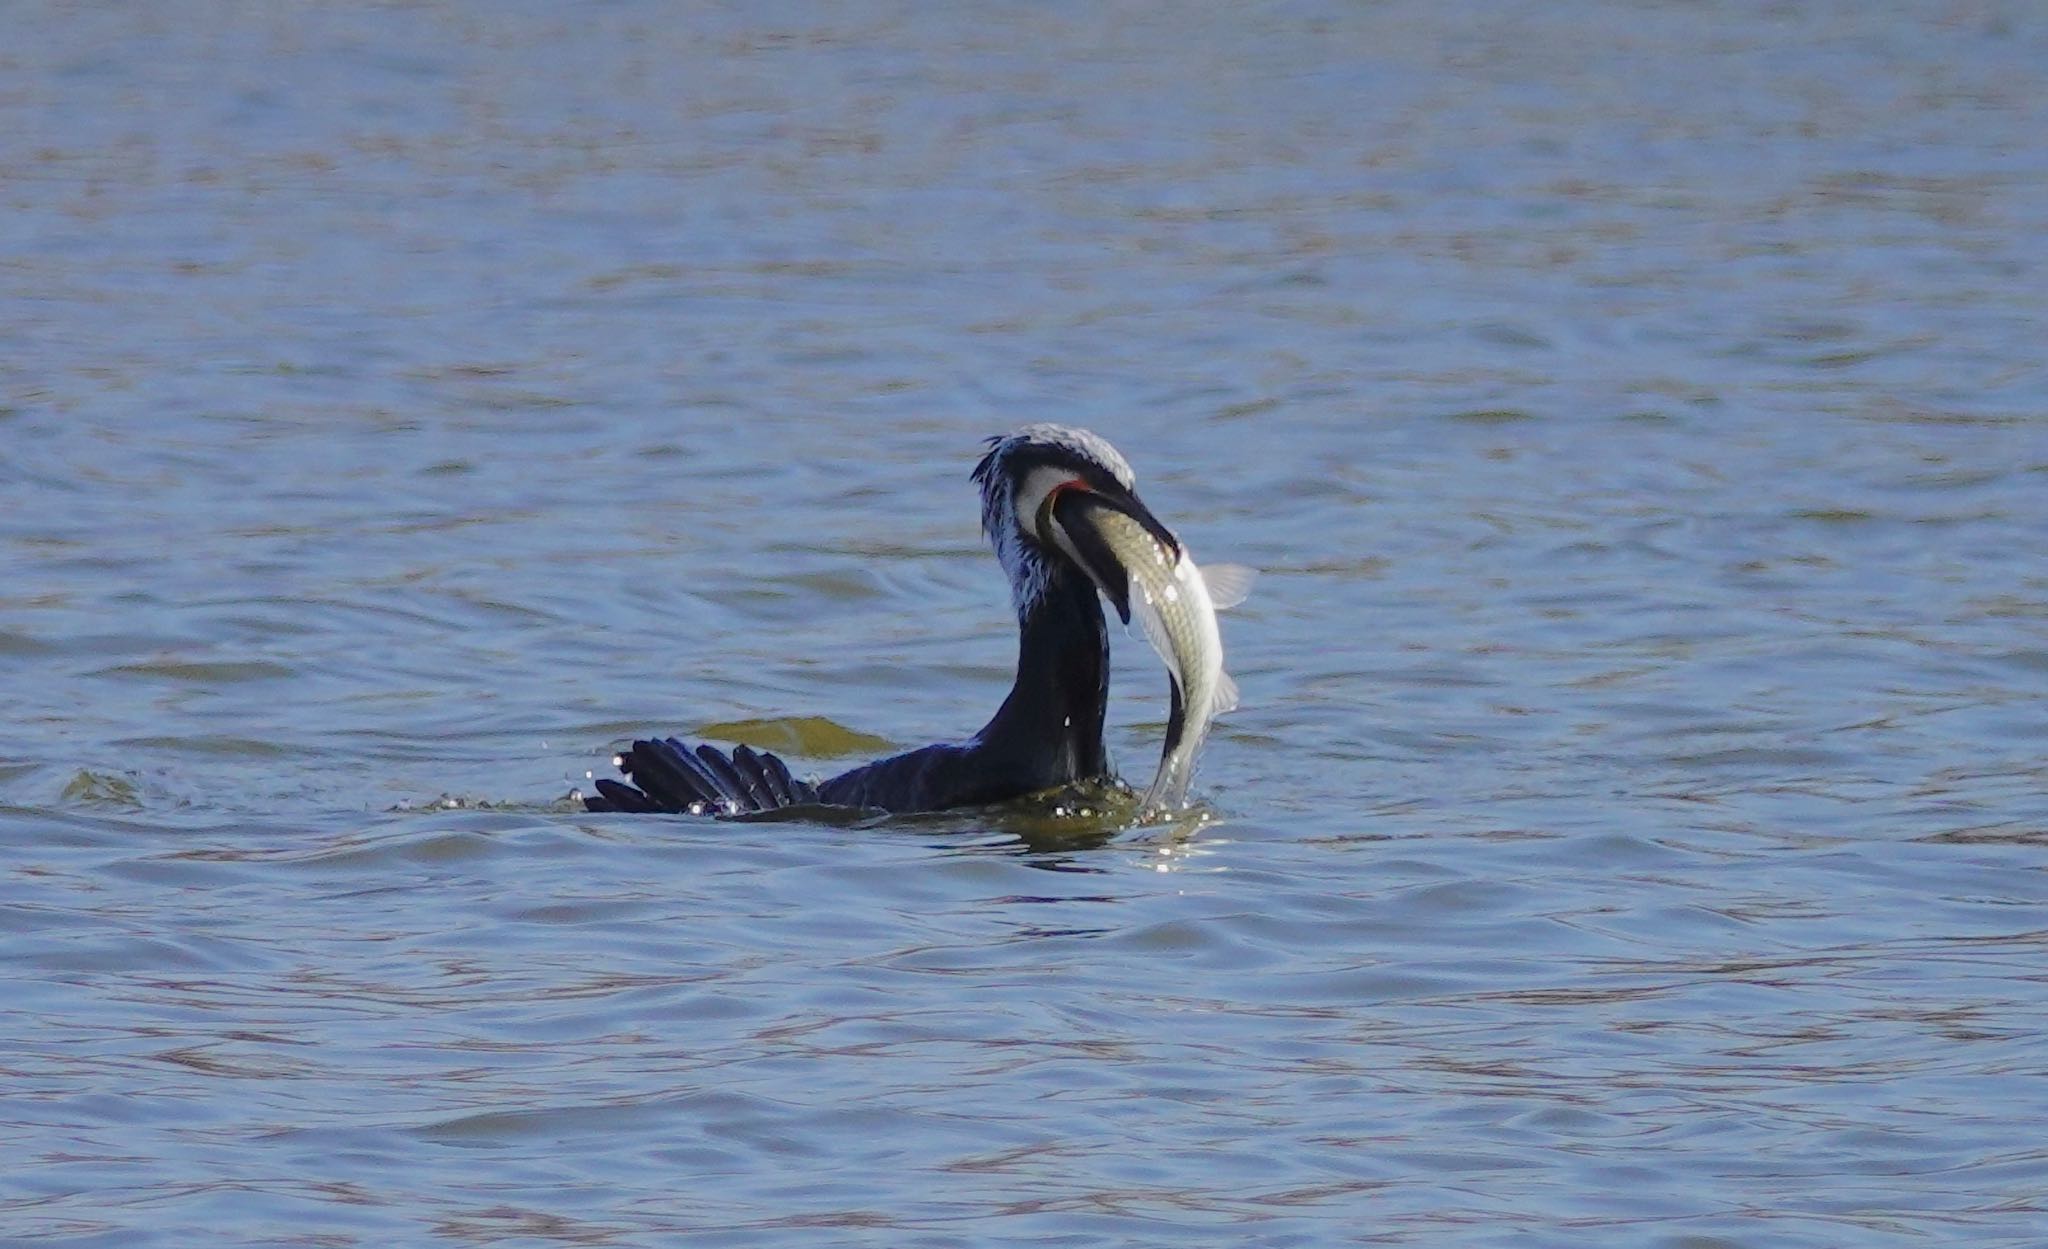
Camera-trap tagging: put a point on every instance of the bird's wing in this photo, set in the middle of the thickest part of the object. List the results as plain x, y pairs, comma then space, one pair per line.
669, 776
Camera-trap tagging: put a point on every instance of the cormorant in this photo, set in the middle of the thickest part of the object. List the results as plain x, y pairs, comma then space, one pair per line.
1039, 487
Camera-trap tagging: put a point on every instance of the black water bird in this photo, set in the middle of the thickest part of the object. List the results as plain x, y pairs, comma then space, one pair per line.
1039, 488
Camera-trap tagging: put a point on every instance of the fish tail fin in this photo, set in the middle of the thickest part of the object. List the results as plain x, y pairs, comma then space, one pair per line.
1169, 791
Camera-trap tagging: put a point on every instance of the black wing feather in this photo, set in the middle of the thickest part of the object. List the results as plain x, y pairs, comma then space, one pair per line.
786, 786
670, 777
726, 777
618, 797
759, 785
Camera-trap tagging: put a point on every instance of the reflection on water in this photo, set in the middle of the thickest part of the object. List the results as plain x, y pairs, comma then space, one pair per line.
1633, 832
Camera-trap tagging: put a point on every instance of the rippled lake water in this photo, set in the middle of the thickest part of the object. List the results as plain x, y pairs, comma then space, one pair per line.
1635, 830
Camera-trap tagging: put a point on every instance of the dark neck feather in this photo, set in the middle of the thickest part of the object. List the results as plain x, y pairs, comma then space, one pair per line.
1051, 724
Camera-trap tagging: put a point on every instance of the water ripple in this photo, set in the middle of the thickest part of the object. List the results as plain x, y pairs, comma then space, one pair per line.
1633, 832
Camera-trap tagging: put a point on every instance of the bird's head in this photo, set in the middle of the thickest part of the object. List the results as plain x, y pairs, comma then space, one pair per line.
1041, 489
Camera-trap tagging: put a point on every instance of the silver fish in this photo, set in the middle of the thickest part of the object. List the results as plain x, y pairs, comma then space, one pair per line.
1175, 603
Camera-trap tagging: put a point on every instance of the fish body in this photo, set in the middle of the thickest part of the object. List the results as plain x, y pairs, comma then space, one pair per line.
1175, 602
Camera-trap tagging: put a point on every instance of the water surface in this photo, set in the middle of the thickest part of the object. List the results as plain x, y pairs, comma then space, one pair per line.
1635, 830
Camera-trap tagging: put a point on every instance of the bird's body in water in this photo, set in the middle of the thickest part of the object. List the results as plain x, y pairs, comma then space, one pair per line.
1048, 494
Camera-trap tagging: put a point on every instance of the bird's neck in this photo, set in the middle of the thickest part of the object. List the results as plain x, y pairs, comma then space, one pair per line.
1053, 716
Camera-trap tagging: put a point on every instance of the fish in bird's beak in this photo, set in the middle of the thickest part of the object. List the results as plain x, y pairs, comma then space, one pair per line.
1070, 521
1143, 570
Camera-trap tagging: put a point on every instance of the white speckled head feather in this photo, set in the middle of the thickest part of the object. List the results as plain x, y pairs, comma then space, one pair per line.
1015, 476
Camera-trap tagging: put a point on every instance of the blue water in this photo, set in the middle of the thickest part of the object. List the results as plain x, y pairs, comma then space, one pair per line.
1636, 830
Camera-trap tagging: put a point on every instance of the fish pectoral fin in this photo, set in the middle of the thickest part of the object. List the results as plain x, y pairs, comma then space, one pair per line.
1226, 694
1228, 583
1154, 626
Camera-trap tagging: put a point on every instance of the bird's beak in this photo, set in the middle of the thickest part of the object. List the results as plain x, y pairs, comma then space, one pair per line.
1070, 520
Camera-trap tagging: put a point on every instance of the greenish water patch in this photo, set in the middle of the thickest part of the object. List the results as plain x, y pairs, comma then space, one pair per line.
811, 737
101, 789
1492, 416
201, 671
1835, 515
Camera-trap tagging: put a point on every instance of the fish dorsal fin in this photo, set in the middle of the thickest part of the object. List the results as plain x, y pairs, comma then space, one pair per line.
1228, 583
1226, 694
